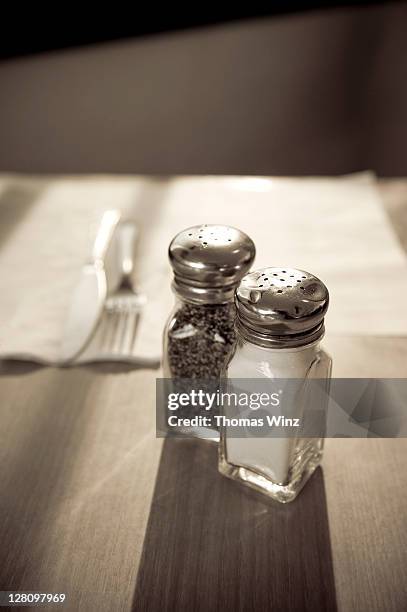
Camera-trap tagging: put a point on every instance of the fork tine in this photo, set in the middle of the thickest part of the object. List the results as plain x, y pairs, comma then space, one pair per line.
134, 332
121, 332
112, 320
127, 340
120, 327
120, 321
104, 330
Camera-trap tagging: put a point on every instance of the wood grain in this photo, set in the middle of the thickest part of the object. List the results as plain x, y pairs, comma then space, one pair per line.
366, 489
213, 545
78, 458
78, 466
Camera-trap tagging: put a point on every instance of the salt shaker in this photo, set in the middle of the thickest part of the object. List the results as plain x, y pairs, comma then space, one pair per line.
208, 262
279, 325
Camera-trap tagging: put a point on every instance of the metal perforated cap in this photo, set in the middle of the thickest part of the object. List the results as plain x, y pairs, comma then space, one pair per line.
281, 307
209, 261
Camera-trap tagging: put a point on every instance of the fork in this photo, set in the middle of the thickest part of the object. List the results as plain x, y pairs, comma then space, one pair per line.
126, 298
123, 306
115, 337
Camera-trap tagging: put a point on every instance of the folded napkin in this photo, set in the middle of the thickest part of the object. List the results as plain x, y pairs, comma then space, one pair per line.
48, 227
335, 228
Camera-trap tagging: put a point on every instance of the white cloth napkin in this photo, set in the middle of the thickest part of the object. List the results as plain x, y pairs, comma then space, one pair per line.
335, 228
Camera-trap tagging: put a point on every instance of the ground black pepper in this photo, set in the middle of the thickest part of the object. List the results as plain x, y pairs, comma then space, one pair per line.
199, 345
200, 339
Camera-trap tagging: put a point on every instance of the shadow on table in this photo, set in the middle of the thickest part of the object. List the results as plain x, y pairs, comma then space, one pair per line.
212, 544
18, 367
10, 367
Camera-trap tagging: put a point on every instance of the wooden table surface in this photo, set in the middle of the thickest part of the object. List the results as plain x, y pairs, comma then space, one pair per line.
93, 505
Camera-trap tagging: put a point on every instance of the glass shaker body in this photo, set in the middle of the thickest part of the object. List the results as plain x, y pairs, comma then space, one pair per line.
208, 263
198, 340
276, 466
280, 316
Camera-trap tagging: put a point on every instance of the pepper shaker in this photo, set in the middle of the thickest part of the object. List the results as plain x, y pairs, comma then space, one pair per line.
208, 262
279, 325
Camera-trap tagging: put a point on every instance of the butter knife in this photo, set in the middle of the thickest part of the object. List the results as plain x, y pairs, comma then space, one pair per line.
90, 294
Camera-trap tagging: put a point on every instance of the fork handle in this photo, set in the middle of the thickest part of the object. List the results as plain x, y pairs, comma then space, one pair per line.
127, 242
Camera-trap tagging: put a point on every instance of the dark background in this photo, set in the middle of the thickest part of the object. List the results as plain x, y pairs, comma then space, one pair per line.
25, 34
321, 90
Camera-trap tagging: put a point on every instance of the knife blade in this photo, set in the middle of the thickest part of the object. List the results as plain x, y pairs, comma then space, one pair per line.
89, 295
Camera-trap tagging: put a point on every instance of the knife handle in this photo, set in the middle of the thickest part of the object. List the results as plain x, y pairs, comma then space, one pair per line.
127, 234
